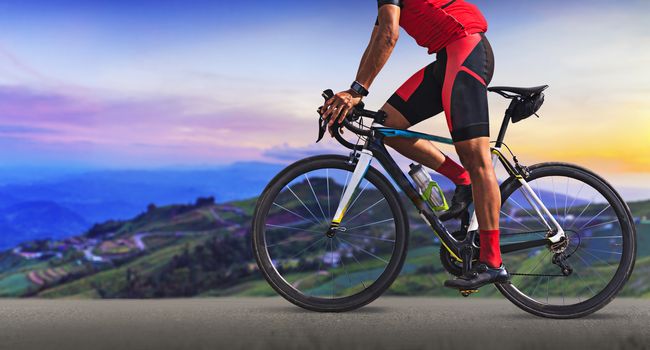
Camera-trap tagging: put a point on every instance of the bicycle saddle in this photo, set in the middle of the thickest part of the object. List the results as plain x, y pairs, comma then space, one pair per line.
519, 90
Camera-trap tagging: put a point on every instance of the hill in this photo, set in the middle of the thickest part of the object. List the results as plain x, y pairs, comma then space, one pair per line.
203, 249
62, 205
31, 220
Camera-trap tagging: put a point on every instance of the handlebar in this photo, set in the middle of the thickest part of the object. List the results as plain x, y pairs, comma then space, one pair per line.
357, 113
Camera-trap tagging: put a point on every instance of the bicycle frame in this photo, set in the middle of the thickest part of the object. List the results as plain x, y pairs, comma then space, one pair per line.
375, 148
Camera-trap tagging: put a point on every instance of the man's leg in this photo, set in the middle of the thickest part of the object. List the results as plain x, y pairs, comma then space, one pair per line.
421, 151
424, 152
475, 156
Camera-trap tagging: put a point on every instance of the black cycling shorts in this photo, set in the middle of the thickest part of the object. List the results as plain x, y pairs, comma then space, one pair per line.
455, 83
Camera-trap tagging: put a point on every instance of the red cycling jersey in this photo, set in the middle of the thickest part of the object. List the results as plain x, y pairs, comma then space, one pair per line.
434, 24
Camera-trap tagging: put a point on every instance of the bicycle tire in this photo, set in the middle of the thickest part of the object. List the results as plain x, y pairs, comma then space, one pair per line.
625, 267
285, 289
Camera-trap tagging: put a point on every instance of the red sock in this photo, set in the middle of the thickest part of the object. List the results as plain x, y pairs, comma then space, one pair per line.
454, 172
490, 249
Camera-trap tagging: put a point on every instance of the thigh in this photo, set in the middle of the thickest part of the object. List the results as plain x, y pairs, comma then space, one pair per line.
469, 69
420, 97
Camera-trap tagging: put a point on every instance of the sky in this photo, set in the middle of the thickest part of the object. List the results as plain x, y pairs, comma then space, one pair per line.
141, 84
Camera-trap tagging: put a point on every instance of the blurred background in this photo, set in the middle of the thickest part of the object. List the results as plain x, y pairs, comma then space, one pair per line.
136, 135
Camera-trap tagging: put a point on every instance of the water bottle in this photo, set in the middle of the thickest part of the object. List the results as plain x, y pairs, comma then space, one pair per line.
430, 191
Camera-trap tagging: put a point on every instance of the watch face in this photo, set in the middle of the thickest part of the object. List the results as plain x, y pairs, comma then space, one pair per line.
359, 89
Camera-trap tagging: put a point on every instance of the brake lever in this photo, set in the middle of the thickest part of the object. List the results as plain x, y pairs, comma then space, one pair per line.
322, 124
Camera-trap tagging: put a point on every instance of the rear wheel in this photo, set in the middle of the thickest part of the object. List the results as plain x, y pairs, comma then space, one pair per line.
600, 251
341, 271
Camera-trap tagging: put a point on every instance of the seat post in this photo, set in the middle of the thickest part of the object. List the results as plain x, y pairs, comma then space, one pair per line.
505, 123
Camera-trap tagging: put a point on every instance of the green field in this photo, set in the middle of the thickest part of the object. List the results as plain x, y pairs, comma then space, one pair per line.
205, 251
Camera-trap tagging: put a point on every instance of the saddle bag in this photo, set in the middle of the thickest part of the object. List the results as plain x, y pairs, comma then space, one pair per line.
524, 107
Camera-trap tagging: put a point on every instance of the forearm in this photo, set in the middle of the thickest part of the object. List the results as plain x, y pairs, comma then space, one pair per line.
366, 53
377, 54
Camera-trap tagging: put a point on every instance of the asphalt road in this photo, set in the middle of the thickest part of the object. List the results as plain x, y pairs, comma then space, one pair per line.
388, 323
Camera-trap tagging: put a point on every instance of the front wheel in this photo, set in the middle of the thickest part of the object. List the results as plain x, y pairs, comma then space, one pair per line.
314, 267
599, 254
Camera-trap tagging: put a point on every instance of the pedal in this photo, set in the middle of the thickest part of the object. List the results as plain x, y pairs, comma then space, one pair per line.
468, 292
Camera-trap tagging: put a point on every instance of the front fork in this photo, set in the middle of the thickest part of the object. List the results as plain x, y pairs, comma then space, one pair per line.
365, 157
532, 199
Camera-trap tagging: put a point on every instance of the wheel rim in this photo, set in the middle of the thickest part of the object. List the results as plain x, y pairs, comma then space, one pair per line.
596, 247
319, 266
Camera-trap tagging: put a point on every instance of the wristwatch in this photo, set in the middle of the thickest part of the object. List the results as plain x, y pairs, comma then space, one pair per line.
359, 89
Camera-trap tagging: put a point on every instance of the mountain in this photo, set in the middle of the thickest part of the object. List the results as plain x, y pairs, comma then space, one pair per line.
32, 220
98, 196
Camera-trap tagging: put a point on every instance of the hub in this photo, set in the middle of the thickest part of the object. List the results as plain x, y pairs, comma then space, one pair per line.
333, 229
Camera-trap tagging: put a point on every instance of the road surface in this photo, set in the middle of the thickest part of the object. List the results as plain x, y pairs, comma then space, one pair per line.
269, 323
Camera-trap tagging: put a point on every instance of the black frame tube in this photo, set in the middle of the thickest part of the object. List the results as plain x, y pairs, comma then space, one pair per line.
375, 144
505, 123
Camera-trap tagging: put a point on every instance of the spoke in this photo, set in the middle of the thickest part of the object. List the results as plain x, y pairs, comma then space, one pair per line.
602, 251
573, 201
304, 250
603, 237
365, 236
540, 261
539, 279
517, 221
358, 195
301, 202
290, 240
295, 228
536, 265
581, 279
370, 207
582, 212
597, 257
526, 210
363, 250
343, 264
358, 263
371, 224
296, 214
566, 199
601, 224
554, 196
316, 198
588, 266
332, 260
320, 262
592, 219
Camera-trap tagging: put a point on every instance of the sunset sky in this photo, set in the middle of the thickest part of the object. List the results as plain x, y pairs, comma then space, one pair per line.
141, 84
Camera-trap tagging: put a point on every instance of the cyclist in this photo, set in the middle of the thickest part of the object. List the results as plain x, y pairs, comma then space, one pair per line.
455, 83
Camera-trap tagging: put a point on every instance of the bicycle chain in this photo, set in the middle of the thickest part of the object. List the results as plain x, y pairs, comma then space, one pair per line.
535, 275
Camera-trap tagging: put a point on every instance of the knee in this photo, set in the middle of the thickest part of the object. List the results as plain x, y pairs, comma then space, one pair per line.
394, 119
477, 162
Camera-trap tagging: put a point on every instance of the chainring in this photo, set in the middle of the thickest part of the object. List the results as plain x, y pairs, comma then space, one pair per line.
451, 264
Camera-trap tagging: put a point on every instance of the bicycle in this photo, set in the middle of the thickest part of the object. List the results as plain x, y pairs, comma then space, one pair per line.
569, 250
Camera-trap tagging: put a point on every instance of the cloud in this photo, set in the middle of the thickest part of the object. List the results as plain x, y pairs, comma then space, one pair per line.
287, 153
17, 130
128, 128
